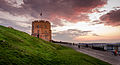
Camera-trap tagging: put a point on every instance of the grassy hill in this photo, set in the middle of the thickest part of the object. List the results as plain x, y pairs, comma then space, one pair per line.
19, 48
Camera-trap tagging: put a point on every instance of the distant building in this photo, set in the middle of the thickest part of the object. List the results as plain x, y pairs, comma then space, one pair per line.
41, 29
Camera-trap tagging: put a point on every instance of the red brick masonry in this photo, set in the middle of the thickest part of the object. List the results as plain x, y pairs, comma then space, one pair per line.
41, 29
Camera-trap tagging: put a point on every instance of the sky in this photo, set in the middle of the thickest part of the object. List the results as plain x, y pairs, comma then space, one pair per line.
84, 21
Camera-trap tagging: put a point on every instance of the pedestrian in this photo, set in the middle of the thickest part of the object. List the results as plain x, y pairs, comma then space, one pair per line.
73, 43
78, 46
116, 52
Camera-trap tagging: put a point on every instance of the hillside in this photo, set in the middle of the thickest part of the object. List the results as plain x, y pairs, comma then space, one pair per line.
19, 48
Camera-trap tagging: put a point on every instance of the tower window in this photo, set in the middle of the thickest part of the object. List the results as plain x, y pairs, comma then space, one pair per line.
45, 31
45, 26
38, 31
37, 26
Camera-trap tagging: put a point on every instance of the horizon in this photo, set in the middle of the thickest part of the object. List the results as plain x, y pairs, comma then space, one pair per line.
71, 21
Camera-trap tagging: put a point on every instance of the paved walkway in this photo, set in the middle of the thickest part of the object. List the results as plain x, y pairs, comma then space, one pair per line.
102, 55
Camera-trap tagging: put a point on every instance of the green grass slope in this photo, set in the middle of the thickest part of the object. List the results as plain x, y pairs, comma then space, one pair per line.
19, 48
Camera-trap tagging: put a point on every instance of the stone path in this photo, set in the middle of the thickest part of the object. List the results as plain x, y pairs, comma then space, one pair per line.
102, 55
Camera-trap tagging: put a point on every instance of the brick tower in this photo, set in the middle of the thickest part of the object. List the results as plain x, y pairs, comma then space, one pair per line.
41, 29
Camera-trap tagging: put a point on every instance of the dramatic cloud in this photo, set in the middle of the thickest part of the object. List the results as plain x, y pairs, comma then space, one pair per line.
15, 3
69, 35
112, 18
8, 6
71, 10
66, 9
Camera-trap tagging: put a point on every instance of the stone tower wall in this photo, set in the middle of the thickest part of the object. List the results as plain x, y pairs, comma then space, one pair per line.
41, 29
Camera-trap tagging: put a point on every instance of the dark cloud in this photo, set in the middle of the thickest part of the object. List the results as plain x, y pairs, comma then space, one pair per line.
5, 6
98, 11
66, 9
96, 22
55, 9
112, 18
95, 34
69, 35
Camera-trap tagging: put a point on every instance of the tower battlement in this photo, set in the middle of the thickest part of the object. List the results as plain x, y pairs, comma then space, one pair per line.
41, 21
